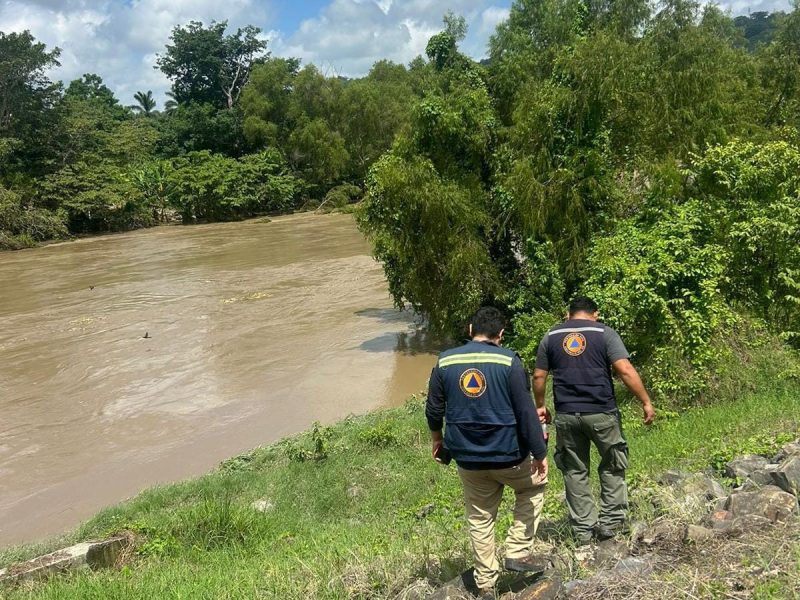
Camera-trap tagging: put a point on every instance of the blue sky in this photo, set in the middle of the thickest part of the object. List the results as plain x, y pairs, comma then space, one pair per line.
119, 39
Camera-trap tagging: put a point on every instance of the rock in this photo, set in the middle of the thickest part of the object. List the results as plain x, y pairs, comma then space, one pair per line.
548, 588
743, 466
660, 530
790, 449
95, 555
609, 553
263, 505
634, 566
573, 588
770, 502
787, 474
425, 511
720, 520
673, 477
749, 523
762, 477
749, 486
702, 486
697, 535
459, 588
688, 495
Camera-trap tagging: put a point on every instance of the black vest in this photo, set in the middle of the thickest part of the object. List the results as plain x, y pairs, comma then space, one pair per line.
576, 353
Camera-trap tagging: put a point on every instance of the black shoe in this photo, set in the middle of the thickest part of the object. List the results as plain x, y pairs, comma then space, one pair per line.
606, 533
529, 564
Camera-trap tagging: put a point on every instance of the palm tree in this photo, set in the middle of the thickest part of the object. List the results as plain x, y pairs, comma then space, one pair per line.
171, 104
146, 103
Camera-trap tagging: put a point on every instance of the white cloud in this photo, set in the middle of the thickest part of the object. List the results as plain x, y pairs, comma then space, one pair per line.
348, 36
119, 41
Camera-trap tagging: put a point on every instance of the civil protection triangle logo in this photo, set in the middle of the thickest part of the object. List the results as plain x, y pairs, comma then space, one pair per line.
473, 383
574, 344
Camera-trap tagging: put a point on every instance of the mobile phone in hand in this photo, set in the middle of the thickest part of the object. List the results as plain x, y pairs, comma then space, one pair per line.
443, 455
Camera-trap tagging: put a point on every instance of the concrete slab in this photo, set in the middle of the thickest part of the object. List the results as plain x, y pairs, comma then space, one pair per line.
93, 555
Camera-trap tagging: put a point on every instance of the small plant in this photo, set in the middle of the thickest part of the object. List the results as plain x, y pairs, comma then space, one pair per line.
320, 438
237, 464
380, 436
218, 522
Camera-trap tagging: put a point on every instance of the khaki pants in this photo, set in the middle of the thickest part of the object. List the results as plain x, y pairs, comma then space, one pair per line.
483, 491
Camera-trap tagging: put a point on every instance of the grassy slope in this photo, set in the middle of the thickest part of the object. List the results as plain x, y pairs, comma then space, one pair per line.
351, 525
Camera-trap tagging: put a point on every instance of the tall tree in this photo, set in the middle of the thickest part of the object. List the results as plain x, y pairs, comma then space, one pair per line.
205, 65
145, 103
26, 98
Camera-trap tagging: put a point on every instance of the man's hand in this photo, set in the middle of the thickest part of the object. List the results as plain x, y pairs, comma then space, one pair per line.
437, 445
649, 413
539, 467
544, 415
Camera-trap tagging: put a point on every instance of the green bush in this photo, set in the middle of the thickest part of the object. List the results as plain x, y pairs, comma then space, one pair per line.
212, 187
342, 195
659, 286
24, 227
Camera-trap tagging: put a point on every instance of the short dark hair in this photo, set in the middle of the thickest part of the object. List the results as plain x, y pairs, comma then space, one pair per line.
582, 304
488, 321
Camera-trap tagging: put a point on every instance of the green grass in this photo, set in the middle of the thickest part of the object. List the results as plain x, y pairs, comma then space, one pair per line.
346, 499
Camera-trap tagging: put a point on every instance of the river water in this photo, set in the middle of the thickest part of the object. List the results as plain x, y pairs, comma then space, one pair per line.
137, 359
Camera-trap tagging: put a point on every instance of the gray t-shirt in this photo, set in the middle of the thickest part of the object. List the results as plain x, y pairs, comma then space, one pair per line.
615, 349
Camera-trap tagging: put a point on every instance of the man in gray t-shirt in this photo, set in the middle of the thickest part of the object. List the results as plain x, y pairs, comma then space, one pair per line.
581, 354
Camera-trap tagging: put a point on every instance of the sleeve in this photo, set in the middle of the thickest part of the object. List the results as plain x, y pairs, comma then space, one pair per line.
615, 348
542, 361
435, 404
528, 426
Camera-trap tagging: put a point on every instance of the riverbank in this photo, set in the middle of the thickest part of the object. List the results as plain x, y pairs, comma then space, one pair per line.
253, 333
360, 510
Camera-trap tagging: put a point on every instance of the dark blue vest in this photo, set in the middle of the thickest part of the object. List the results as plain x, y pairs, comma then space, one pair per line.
480, 421
576, 353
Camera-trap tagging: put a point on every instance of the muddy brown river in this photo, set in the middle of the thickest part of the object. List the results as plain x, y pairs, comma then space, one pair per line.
148, 357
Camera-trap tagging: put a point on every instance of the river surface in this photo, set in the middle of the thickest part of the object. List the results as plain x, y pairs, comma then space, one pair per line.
148, 357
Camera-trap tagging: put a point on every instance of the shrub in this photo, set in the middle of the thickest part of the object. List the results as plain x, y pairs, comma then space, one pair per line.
23, 227
659, 286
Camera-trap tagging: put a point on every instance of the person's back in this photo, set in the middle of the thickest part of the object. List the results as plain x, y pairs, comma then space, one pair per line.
581, 354
480, 431
480, 390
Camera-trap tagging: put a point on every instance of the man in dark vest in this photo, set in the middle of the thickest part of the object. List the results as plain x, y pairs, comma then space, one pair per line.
581, 354
481, 391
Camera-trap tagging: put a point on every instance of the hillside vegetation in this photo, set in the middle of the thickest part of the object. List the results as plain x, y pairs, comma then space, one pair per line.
646, 158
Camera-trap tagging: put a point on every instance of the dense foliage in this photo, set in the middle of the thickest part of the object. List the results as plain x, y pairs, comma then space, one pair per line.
648, 158
243, 133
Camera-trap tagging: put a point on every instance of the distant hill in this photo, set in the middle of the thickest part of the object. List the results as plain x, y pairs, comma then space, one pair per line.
759, 27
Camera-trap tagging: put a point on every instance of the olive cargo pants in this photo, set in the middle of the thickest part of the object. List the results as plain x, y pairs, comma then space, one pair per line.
483, 491
574, 434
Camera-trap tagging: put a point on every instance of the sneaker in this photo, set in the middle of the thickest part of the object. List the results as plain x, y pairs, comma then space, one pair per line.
485, 594
532, 563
